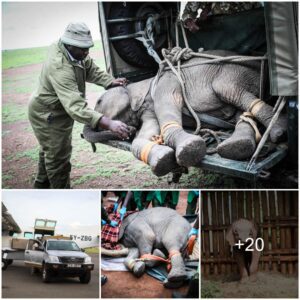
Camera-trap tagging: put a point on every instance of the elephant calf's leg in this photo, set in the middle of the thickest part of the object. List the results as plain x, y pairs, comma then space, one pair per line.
241, 145
168, 104
137, 267
160, 158
246, 101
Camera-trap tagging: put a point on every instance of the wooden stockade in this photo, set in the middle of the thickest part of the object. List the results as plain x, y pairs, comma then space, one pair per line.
275, 213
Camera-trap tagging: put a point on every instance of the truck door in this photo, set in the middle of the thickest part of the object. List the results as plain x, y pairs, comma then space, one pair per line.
34, 254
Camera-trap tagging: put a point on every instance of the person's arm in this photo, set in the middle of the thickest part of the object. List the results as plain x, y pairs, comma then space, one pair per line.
66, 88
95, 75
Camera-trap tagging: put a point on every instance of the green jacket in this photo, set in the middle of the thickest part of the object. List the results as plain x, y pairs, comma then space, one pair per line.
61, 89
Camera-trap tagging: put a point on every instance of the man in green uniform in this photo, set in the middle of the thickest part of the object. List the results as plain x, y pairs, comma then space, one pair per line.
190, 13
60, 99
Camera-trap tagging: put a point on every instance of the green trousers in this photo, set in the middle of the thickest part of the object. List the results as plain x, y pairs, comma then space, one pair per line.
54, 134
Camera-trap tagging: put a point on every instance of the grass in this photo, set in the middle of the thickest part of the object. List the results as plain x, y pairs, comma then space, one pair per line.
12, 113
210, 290
22, 57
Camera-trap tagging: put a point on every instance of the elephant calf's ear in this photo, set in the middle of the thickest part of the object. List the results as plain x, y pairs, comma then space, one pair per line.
229, 236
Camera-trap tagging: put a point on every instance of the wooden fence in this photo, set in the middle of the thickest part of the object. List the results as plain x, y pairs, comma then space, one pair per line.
275, 213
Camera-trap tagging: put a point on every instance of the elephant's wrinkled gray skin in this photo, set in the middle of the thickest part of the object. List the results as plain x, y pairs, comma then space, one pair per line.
221, 90
247, 261
153, 231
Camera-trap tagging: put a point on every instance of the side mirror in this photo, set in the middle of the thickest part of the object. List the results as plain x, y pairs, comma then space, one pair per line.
82, 250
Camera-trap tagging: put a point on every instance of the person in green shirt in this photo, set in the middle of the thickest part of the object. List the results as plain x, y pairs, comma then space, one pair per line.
60, 99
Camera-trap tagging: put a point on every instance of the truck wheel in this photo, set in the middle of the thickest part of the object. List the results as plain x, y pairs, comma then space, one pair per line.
86, 277
46, 274
131, 50
4, 264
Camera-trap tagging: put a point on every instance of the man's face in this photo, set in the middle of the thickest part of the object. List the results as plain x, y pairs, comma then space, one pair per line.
78, 53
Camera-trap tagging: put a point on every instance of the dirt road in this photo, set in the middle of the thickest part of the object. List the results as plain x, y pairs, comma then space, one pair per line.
18, 283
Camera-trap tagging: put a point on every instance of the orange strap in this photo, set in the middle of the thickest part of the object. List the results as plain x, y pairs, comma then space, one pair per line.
158, 258
156, 140
146, 150
191, 243
167, 126
154, 257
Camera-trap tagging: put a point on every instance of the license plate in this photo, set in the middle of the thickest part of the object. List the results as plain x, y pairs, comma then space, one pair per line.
74, 266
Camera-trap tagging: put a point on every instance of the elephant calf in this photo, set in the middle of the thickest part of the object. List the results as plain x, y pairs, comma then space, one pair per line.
246, 257
155, 231
228, 91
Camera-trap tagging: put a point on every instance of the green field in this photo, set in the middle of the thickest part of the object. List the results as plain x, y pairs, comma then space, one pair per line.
22, 57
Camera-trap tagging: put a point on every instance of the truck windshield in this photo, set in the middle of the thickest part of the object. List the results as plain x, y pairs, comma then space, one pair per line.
62, 245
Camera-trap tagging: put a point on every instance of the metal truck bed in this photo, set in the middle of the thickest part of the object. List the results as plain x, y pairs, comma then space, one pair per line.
216, 163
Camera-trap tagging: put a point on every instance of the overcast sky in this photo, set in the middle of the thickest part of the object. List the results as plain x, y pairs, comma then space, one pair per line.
35, 24
68, 208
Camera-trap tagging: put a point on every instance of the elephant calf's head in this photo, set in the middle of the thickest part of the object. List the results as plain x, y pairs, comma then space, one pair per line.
115, 104
241, 230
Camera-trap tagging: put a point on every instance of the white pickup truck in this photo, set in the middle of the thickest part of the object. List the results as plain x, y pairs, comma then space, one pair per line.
58, 257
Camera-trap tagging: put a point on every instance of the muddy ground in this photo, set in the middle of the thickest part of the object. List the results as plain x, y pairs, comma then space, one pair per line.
125, 285
265, 285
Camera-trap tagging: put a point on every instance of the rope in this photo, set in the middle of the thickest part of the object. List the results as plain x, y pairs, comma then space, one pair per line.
281, 102
176, 55
248, 118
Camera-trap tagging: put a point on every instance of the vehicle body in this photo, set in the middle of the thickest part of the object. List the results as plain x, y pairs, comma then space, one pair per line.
270, 30
31, 246
58, 257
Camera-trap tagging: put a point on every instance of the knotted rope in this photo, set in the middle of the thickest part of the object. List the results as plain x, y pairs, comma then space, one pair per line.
176, 55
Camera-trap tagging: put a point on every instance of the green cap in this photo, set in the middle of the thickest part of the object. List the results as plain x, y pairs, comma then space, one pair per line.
78, 34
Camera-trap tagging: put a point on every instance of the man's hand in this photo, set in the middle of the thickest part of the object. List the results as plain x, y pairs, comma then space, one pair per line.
119, 82
191, 25
118, 127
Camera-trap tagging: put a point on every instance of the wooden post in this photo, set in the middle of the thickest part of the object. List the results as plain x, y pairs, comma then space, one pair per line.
214, 231
274, 229
249, 201
219, 200
282, 241
206, 249
227, 223
265, 231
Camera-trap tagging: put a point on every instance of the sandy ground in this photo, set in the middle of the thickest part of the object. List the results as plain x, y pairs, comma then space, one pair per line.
265, 285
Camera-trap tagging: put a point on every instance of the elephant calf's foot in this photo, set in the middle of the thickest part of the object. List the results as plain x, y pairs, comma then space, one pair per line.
177, 272
138, 269
162, 160
190, 149
241, 145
